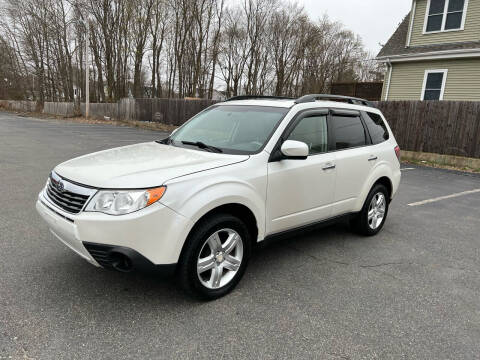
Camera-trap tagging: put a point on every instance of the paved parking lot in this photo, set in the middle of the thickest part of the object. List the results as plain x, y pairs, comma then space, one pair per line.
412, 292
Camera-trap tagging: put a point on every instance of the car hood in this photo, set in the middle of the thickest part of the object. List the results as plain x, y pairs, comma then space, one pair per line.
141, 165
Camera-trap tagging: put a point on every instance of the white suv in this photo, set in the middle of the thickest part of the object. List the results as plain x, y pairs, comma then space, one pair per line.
238, 173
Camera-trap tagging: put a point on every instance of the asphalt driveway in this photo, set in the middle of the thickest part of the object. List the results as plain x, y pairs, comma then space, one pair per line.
412, 292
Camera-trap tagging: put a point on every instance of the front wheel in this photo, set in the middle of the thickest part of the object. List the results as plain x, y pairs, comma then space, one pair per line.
215, 257
372, 217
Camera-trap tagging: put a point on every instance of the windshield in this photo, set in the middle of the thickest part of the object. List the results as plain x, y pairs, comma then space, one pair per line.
232, 129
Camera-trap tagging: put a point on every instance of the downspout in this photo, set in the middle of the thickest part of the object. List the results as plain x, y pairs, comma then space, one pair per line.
390, 68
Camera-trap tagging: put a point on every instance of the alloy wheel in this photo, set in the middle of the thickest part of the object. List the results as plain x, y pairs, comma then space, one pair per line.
220, 258
376, 210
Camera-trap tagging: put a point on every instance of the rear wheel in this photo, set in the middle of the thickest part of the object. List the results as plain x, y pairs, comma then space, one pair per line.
372, 217
215, 257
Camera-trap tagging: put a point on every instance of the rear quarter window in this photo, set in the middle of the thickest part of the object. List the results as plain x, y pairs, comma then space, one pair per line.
376, 127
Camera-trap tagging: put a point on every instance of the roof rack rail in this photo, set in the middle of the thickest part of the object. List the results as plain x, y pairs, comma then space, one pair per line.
252, 97
348, 99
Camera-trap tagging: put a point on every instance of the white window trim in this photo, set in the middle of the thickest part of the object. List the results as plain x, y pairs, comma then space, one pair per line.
444, 20
444, 82
412, 22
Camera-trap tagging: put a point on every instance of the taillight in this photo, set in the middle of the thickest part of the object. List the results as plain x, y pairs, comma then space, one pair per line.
397, 152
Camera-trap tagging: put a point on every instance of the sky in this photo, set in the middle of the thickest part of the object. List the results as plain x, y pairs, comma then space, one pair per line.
374, 20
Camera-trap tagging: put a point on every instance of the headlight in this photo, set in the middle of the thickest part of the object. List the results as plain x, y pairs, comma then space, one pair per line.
119, 202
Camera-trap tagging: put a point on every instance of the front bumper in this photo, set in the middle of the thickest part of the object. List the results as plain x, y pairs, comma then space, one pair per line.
154, 235
125, 259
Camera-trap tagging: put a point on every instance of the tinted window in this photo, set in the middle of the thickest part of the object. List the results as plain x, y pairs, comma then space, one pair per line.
376, 127
349, 132
312, 130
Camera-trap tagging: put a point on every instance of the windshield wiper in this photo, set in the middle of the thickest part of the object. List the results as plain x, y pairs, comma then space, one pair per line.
202, 145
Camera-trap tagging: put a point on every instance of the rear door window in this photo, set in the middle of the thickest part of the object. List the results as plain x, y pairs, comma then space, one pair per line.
376, 127
348, 132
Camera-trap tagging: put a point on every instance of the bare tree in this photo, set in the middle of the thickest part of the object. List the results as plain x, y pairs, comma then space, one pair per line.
140, 25
191, 47
287, 43
158, 27
234, 50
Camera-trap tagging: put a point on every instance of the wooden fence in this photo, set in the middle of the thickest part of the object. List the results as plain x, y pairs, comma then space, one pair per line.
366, 90
18, 105
169, 111
442, 127
107, 110
66, 109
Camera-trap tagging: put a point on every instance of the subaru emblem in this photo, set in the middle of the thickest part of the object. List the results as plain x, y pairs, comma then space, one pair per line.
60, 186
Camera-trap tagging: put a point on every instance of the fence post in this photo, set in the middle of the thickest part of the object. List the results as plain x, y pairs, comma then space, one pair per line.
476, 136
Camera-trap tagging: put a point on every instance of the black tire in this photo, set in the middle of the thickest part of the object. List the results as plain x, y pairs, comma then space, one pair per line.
187, 270
360, 223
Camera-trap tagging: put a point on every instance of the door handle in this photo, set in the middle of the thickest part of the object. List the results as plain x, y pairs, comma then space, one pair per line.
372, 158
328, 166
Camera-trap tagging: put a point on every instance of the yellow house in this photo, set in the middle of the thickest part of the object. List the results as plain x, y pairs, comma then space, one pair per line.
435, 53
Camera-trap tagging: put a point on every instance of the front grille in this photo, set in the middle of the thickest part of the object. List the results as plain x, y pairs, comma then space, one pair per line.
49, 207
67, 200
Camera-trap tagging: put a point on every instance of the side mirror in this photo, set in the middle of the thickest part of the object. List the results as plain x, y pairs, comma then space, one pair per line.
296, 150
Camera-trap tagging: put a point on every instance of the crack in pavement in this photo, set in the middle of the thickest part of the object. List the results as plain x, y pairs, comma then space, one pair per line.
384, 264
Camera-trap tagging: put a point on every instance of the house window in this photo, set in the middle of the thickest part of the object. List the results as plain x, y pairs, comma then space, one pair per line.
434, 84
445, 15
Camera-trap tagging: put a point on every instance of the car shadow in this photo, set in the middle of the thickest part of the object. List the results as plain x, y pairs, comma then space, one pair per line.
108, 290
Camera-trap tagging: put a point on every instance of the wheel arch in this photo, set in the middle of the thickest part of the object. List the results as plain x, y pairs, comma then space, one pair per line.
381, 175
236, 209
387, 182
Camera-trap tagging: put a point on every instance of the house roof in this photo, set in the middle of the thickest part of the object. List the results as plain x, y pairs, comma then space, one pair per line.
396, 45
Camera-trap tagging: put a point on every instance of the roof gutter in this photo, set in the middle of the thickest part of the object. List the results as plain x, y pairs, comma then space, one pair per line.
432, 55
